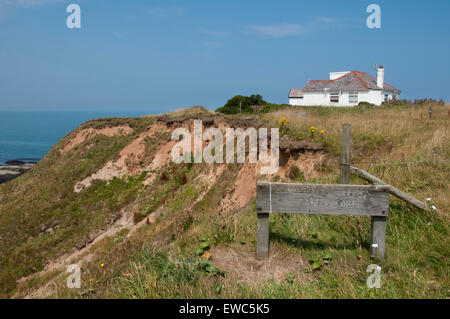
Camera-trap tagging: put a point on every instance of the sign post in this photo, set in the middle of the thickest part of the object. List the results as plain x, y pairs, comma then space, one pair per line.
317, 199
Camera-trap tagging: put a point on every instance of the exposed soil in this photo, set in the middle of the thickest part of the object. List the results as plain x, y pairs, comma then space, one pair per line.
307, 162
243, 267
82, 255
85, 133
289, 145
129, 160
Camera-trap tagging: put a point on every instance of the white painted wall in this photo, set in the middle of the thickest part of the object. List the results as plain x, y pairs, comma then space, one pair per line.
323, 99
296, 101
335, 75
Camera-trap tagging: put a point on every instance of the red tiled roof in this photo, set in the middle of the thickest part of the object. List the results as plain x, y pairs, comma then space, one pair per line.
353, 80
295, 93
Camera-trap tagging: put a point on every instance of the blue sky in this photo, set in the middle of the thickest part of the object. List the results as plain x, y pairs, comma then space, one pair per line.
156, 56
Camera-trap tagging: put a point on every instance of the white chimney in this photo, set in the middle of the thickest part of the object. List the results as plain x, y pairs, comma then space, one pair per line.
380, 77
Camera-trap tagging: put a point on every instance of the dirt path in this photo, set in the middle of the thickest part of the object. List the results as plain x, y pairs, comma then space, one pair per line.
79, 256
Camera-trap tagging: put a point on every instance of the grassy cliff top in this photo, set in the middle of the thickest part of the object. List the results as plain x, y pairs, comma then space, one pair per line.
107, 197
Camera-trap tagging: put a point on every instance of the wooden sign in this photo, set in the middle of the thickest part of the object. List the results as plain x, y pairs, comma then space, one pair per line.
370, 200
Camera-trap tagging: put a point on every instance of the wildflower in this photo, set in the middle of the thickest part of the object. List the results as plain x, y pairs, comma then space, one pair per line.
102, 265
91, 280
283, 121
322, 132
312, 129
206, 255
428, 199
433, 207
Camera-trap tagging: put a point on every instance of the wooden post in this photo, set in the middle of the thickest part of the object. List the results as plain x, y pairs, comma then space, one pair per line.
378, 237
262, 237
431, 112
394, 191
345, 153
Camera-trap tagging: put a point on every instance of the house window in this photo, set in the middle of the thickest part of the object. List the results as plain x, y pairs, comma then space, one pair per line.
353, 97
386, 97
334, 97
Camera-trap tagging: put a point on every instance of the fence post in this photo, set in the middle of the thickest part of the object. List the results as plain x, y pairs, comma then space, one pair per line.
378, 237
430, 111
378, 225
345, 153
262, 237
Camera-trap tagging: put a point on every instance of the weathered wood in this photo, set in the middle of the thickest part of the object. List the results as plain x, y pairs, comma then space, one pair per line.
378, 237
394, 191
345, 153
368, 200
262, 239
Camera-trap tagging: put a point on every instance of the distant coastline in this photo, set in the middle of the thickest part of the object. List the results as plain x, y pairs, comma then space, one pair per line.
20, 161
16, 167
31, 134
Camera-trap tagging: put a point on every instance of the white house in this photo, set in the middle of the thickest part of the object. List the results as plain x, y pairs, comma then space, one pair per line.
345, 89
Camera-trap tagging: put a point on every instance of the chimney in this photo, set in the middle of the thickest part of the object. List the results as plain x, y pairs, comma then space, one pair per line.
380, 77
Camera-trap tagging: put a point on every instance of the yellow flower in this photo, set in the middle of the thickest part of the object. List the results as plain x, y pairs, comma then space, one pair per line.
102, 265
312, 129
283, 120
322, 132
91, 280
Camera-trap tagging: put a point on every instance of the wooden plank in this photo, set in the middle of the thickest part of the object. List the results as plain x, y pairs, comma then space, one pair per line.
378, 237
368, 200
394, 191
262, 237
345, 153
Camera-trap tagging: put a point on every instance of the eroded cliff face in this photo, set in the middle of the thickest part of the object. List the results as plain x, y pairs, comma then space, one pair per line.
108, 176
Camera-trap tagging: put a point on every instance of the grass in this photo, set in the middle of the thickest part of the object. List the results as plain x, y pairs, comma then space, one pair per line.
160, 259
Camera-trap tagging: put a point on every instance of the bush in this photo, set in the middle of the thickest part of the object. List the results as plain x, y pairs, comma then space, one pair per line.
272, 107
366, 104
241, 103
416, 102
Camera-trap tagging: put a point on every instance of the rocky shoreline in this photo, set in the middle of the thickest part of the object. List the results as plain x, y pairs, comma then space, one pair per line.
15, 168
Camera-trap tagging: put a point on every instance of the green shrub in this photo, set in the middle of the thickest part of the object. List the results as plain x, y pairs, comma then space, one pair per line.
241, 104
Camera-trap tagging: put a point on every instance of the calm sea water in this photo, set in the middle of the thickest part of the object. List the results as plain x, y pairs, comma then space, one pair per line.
31, 134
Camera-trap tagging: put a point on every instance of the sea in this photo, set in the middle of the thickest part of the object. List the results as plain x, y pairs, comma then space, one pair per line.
29, 135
